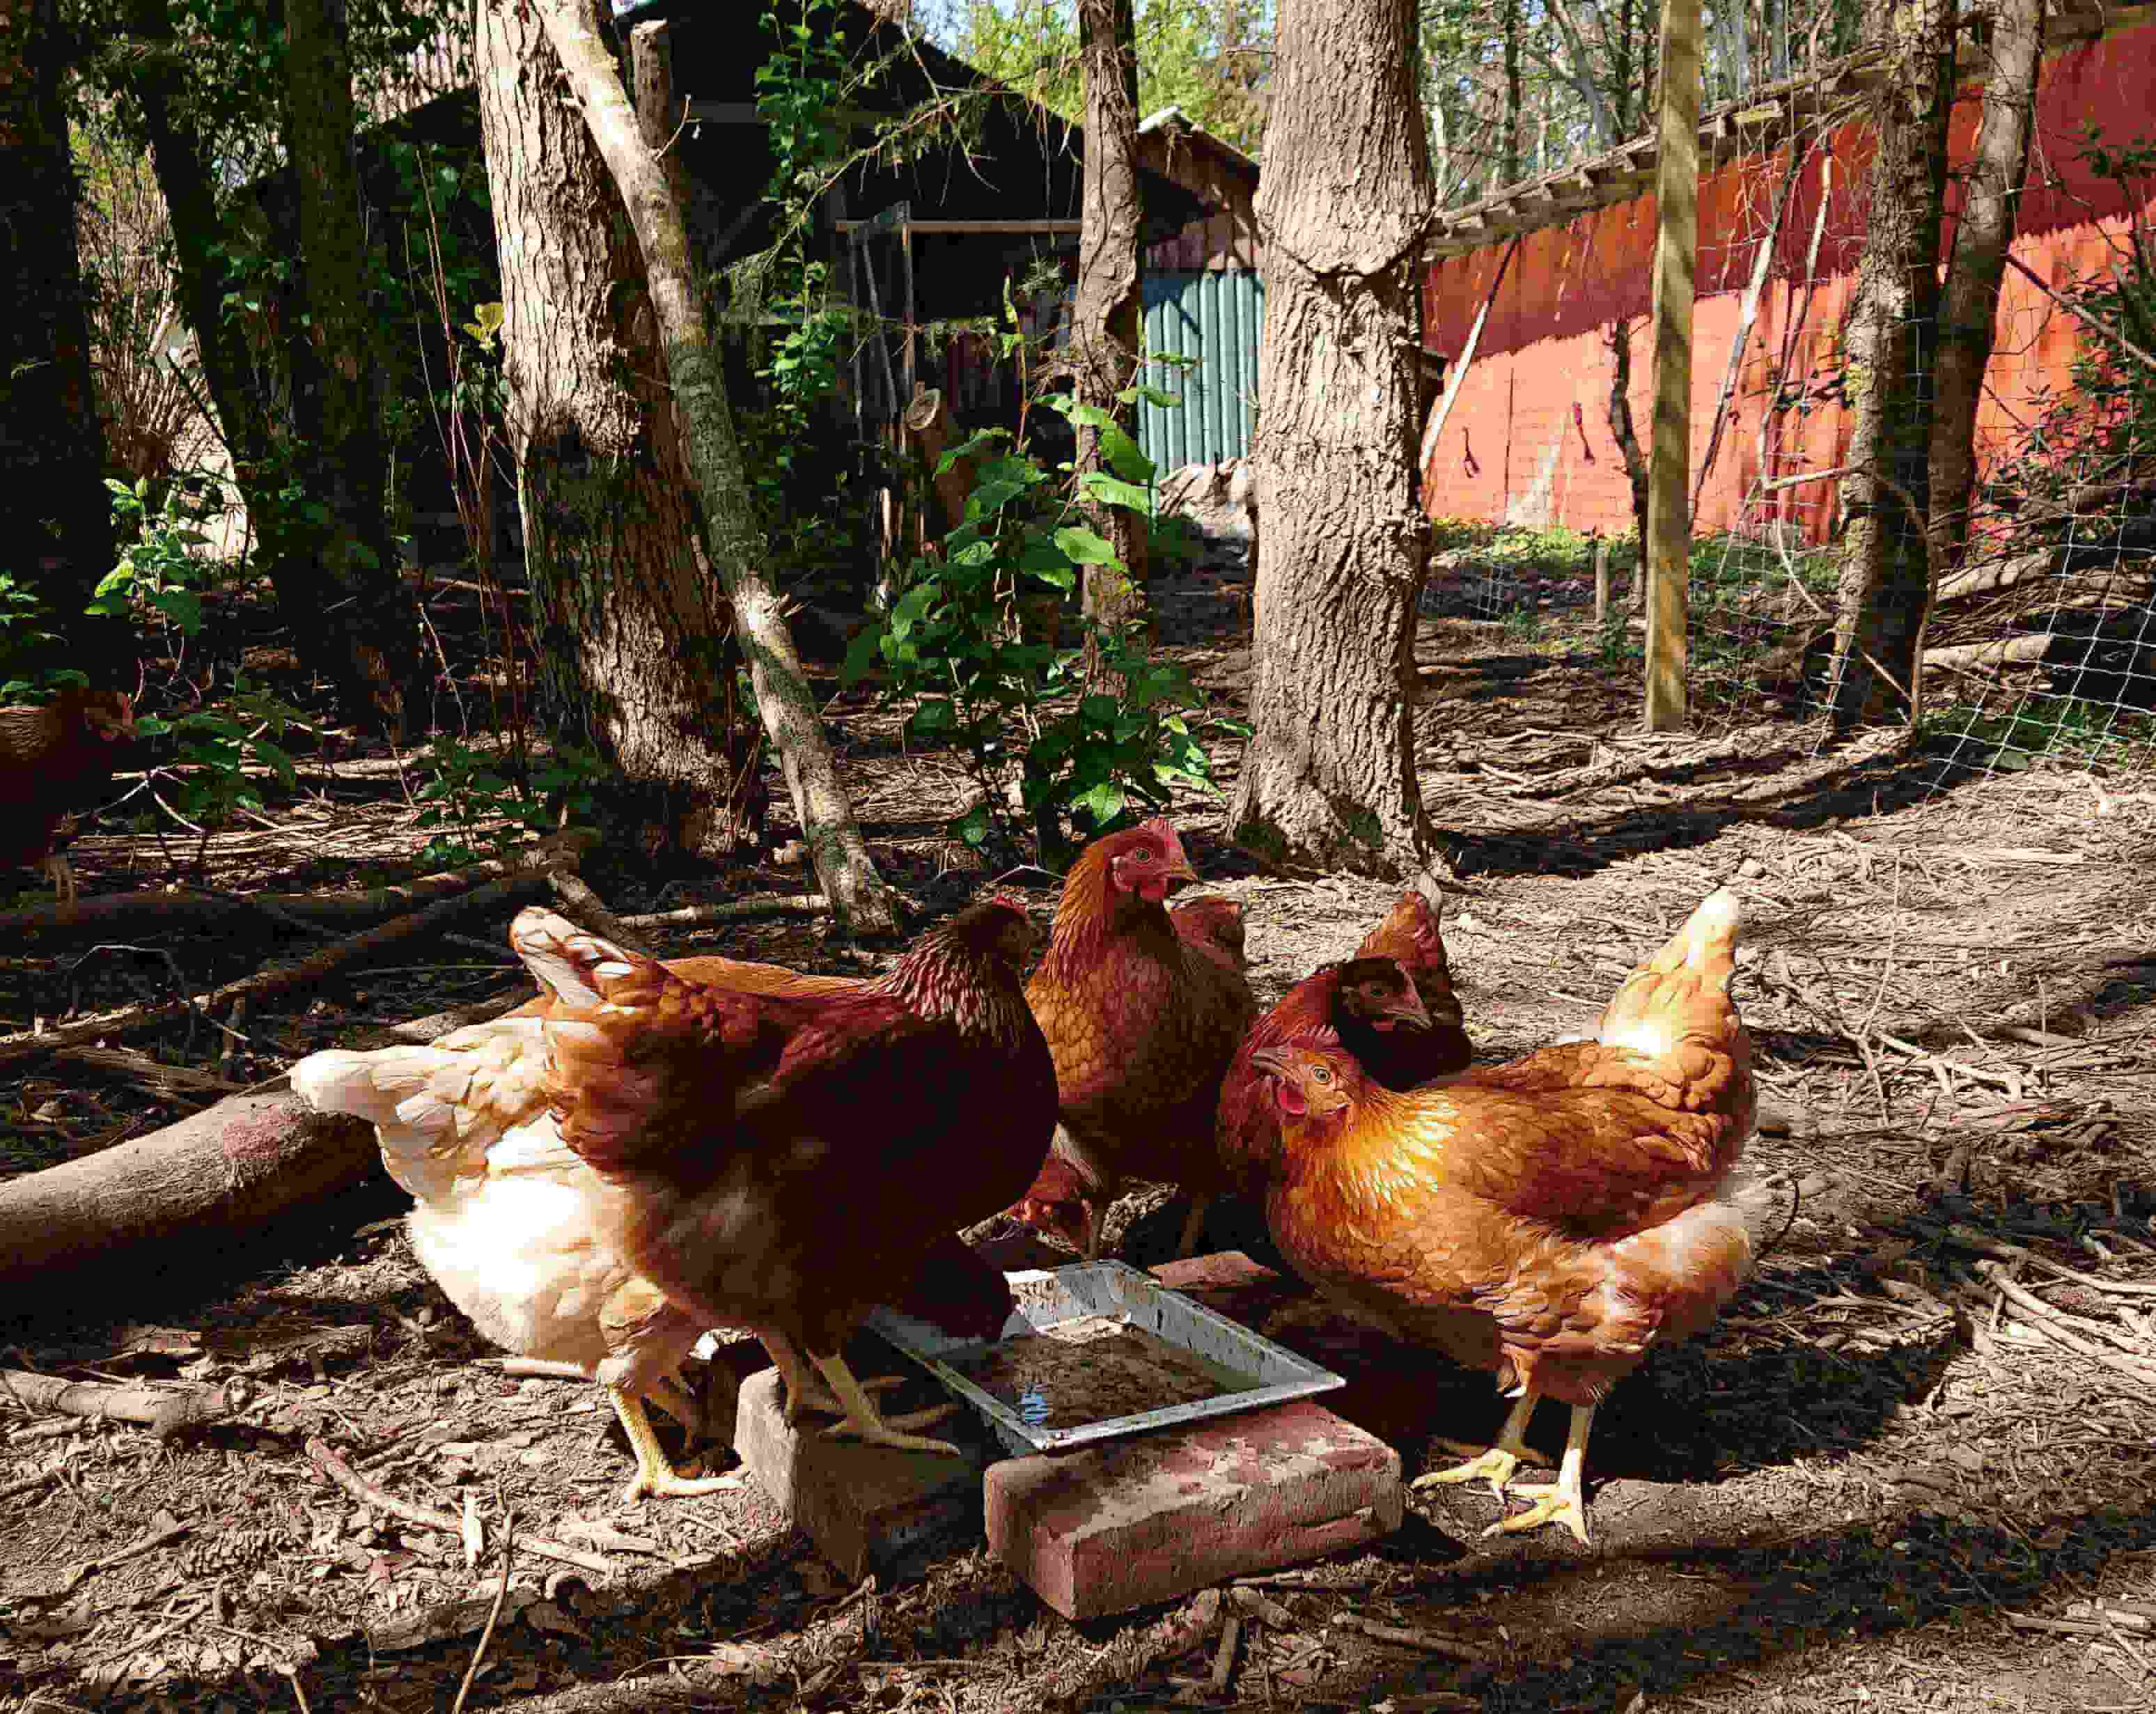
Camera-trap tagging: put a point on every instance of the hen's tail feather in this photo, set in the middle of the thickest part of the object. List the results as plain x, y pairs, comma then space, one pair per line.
1707, 944
578, 969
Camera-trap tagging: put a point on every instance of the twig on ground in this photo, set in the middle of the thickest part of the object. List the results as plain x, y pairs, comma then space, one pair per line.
354, 1483
162, 1409
493, 1612
1410, 1637
1969, 1238
733, 911
314, 967
2053, 1326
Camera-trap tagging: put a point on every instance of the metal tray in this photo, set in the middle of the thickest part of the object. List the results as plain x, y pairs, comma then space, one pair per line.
1114, 1290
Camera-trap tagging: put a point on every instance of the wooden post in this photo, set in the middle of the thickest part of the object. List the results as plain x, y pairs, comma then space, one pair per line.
1667, 549
1601, 582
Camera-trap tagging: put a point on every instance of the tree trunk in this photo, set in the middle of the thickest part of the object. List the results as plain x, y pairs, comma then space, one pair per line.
632, 628
1627, 437
324, 628
1886, 577
1508, 146
518, 80
1106, 320
1968, 311
60, 536
337, 408
1329, 776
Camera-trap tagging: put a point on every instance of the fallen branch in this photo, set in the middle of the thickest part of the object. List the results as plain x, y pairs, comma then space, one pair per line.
587, 911
1969, 1238
164, 1410
194, 904
1410, 1637
354, 1483
2053, 1325
166, 1082
733, 911
323, 963
192, 1191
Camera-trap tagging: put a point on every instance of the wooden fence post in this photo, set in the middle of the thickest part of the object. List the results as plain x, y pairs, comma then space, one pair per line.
1668, 547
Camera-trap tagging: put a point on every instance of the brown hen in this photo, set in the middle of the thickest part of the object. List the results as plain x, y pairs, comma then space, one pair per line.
1141, 1025
1402, 1058
1553, 1231
53, 759
784, 1164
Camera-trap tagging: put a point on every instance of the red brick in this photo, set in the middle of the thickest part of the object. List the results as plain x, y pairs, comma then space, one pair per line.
867, 1508
1155, 1516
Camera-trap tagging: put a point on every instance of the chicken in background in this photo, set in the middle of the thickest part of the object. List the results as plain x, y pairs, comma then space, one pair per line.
1141, 1025
1359, 1002
1214, 926
785, 1163
511, 1222
1552, 1231
1402, 1058
55, 758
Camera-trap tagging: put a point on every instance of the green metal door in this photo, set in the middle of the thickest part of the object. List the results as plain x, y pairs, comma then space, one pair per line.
1213, 318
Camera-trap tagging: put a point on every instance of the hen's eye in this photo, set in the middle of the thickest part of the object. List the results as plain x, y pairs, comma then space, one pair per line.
1320, 1075
1144, 853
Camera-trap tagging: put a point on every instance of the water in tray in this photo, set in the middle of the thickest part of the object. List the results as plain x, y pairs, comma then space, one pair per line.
1093, 1367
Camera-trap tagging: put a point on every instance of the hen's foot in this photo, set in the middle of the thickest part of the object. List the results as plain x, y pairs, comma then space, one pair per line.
1554, 1504
1495, 1463
1498, 1462
865, 1423
666, 1483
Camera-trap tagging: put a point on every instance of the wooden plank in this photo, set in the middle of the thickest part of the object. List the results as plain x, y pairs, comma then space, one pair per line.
1669, 519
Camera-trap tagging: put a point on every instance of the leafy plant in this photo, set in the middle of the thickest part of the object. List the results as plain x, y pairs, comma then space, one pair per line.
216, 748
481, 803
156, 569
956, 645
22, 632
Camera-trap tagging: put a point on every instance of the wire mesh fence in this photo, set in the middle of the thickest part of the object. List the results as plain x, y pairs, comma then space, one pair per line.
2039, 643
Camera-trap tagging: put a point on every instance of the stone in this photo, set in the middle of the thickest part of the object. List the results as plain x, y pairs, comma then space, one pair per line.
867, 1508
1155, 1516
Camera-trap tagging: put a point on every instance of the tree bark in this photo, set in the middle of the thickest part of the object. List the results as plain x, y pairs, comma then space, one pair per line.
1508, 147
337, 406
1107, 318
1969, 312
859, 900
324, 626
181, 1195
60, 536
1886, 577
632, 628
1627, 437
1329, 776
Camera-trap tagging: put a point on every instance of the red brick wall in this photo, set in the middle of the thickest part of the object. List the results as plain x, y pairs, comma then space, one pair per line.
1528, 440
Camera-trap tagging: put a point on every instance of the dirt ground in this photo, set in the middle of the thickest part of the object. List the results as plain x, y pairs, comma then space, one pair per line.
1879, 1483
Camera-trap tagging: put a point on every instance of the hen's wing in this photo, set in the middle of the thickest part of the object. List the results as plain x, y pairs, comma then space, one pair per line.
1650, 1114
1400, 1059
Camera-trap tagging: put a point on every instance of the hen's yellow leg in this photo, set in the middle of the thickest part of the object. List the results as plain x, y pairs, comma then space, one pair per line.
1564, 1501
63, 874
1501, 1460
803, 1391
654, 1474
865, 1421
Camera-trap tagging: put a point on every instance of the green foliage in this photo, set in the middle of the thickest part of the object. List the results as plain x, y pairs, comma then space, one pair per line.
1210, 57
156, 573
2067, 728
955, 645
22, 635
216, 747
483, 804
